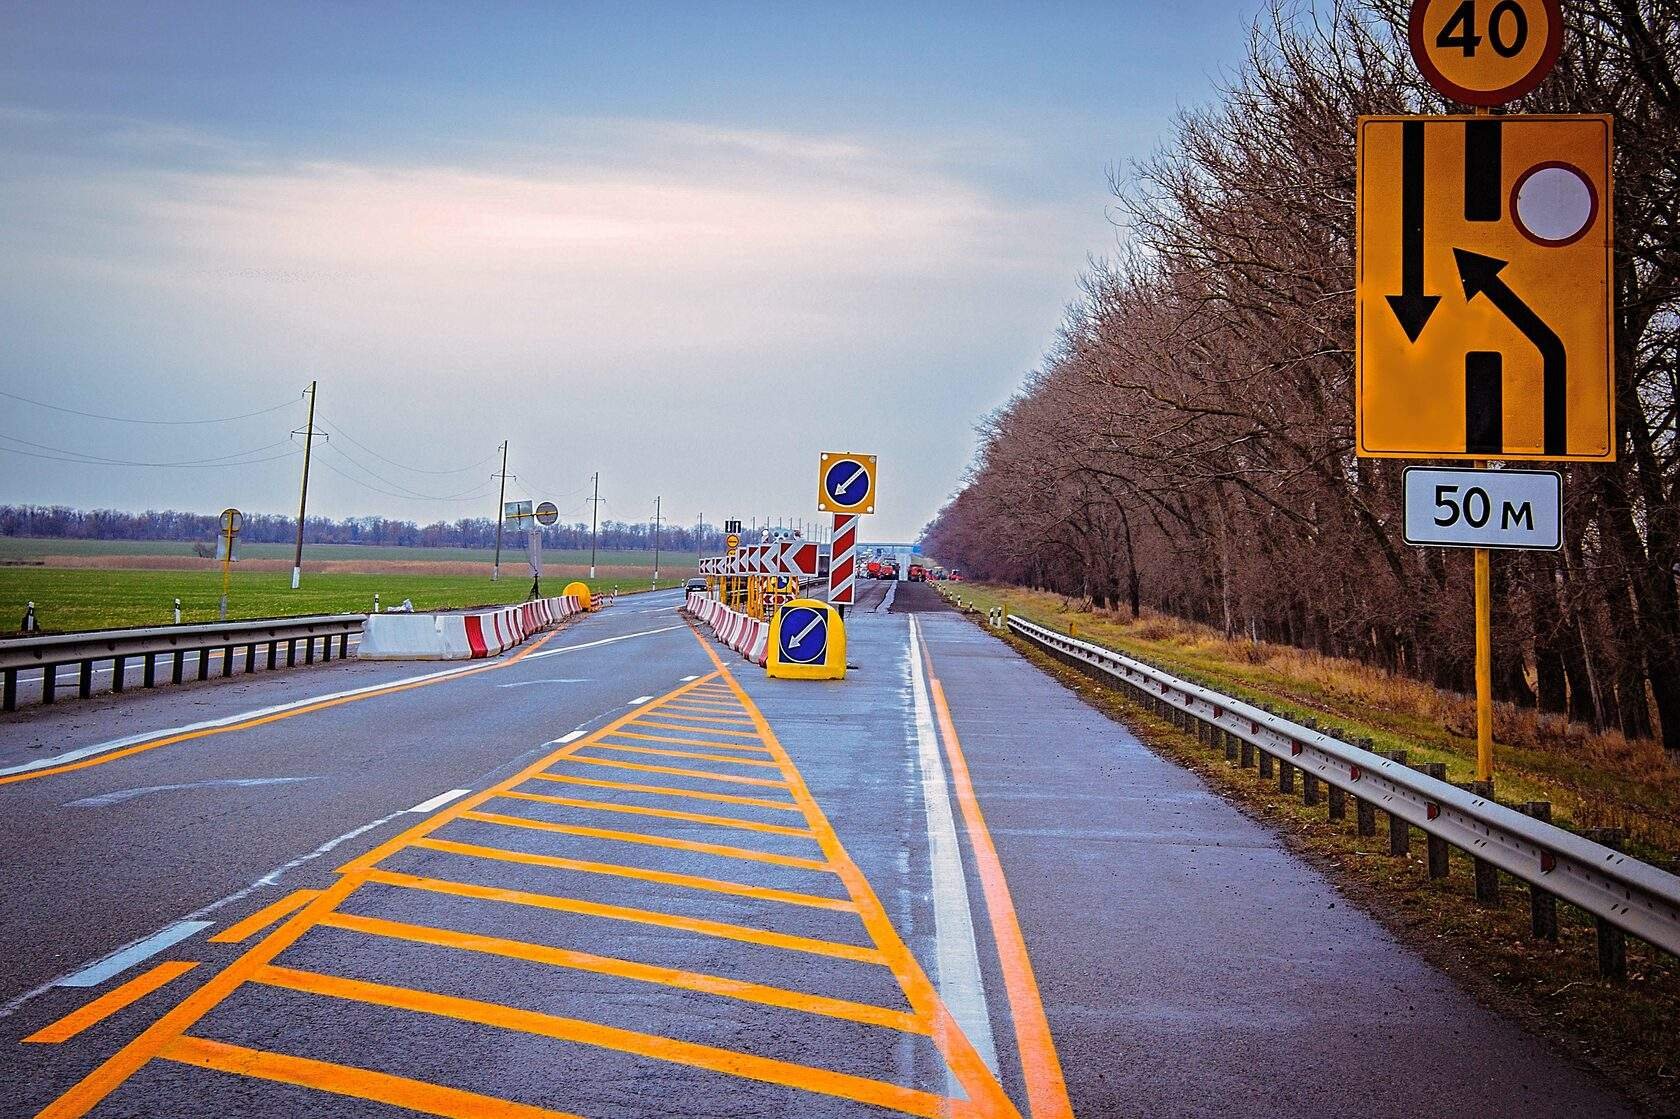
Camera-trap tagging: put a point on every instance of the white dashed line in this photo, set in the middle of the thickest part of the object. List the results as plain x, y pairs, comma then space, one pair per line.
639, 700
572, 736
440, 800
120, 961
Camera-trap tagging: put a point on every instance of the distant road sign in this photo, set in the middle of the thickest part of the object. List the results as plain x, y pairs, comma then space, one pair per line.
1484, 292
516, 510
548, 513
1484, 508
846, 483
732, 541
1485, 52
232, 521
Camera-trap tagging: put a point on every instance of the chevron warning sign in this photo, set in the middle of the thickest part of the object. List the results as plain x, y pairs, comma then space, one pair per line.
842, 564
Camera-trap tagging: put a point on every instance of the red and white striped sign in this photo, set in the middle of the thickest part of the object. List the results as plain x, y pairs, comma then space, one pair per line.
842, 563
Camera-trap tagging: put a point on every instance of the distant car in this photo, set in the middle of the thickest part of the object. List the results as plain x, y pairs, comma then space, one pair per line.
873, 569
695, 584
956, 576
918, 573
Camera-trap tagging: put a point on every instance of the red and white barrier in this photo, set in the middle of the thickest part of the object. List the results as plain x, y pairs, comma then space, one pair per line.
483, 633
747, 636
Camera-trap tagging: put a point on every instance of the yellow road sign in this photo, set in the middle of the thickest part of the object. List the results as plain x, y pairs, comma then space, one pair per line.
1485, 52
732, 541
846, 483
1483, 287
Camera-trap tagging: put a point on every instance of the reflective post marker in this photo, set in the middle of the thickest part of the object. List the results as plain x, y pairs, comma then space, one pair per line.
1484, 667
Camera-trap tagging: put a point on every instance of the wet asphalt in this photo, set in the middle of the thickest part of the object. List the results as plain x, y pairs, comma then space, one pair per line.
679, 914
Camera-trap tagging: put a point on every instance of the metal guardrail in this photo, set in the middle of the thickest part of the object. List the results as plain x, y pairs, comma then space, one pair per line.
1622, 891
122, 645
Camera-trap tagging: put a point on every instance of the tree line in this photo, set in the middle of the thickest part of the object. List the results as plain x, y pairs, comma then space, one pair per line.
62, 522
1188, 441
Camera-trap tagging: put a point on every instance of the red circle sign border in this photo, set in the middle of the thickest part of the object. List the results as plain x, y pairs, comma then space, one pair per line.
1487, 98
1516, 215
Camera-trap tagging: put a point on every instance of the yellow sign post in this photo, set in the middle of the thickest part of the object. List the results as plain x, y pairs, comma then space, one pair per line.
232, 521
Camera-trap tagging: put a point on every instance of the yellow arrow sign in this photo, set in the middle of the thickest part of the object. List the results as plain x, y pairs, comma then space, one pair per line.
1483, 285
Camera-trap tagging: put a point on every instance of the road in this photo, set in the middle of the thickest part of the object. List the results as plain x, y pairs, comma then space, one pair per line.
623, 873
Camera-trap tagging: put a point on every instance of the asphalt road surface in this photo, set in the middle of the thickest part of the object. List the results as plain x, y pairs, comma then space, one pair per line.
620, 872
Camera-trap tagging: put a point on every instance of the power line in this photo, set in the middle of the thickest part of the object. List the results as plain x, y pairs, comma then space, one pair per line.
235, 458
483, 490
339, 428
154, 423
406, 491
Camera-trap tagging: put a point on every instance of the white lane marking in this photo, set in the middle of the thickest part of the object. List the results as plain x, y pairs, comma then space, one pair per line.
603, 641
226, 720
549, 680
272, 878
686, 679
955, 951
639, 700
440, 800
105, 800
124, 958
569, 736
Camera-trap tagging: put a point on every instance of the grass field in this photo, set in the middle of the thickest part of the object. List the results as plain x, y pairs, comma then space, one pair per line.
124, 588
1592, 779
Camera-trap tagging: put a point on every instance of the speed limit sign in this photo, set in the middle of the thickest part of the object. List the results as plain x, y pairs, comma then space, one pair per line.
1486, 52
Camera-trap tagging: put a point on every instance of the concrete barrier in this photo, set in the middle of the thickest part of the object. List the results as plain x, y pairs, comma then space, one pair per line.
470, 636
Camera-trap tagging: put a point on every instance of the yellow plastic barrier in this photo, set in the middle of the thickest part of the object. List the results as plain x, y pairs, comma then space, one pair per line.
807, 642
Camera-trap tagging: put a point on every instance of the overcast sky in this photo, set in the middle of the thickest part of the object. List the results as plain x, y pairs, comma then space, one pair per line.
687, 245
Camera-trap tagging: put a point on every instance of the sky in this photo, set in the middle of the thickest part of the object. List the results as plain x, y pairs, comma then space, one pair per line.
687, 245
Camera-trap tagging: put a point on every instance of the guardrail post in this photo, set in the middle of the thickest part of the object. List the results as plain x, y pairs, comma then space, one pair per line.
1487, 875
8, 700
84, 679
203, 664
1245, 754
343, 645
118, 665
250, 658
1309, 788
308, 650
326, 649
1286, 777
1230, 745
179, 666
1438, 849
1399, 832
1612, 942
49, 682
148, 673
273, 651
291, 652
1338, 803
1265, 765
1542, 905
227, 660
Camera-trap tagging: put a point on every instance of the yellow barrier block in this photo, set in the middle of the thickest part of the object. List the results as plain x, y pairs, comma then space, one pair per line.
581, 591
807, 642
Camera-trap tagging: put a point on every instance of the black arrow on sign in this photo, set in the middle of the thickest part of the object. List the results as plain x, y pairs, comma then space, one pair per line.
1481, 277
1412, 307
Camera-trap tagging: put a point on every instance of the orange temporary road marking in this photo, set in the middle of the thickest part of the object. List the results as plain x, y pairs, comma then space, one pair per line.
667, 710
697, 755
678, 771
644, 874
1047, 1096
206, 732
693, 729
729, 1061
722, 929
702, 707
866, 1013
110, 1002
978, 1082
744, 746
666, 790
722, 849
663, 813
342, 1080
266, 916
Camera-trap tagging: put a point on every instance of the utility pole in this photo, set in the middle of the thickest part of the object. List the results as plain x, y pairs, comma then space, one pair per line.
303, 500
656, 502
594, 518
501, 498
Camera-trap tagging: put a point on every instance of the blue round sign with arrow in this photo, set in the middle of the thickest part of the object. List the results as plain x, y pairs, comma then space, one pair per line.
847, 482
803, 635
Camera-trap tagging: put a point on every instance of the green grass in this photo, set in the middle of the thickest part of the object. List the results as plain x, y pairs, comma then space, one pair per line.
98, 598
25, 548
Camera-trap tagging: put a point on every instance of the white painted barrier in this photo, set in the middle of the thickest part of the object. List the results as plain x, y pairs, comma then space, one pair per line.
484, 633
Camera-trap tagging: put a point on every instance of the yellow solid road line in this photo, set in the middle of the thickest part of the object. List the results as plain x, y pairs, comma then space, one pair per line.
664, 813
677, 771
643, 874
264, 917
697, 755
724, 930
110, 1002
865, 1013
788, 1074
722, 850
357, 1083
666, 790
